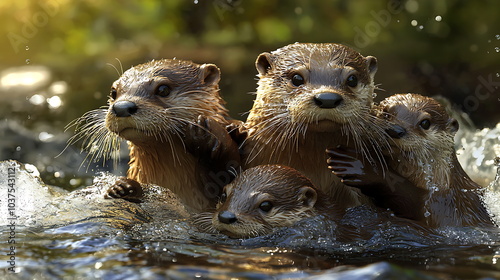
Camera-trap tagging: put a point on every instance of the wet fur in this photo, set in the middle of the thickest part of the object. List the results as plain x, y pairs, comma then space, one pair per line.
156, 131
286, 127
427, 158
293, 196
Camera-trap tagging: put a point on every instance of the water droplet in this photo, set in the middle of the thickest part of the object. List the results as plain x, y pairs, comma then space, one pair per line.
414, 22
397, 20
18, 148
497, 49
497, 36
27, 48
421, 27
195, 2
28, 61
438, 18
427, 214
498, 75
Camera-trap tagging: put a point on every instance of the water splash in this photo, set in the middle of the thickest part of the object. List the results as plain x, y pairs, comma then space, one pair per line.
480, 147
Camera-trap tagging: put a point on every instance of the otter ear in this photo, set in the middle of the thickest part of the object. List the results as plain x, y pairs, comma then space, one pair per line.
452, 125
209, 74
371, 64
308, 196
263, 63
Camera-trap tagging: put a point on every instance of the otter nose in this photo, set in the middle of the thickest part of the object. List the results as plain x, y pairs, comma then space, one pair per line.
124, 108
396, 131
227, 217
328, 100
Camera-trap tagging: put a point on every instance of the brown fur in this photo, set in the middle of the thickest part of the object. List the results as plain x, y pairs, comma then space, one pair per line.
427, 158
286, 126
156, 131
293, 197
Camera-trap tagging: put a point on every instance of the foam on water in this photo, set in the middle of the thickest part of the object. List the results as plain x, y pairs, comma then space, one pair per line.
84, 234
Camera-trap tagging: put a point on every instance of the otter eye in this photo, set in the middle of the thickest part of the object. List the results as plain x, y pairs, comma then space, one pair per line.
297, 80
352, 81
425, 124
113, 93
223, 197
266, 206
163, 90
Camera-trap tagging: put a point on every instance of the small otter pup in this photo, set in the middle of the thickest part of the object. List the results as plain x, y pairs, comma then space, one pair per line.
264, 198
171, 113
423, 169
311, 97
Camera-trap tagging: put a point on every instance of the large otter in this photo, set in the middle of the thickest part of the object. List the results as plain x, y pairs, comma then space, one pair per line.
311, 97
439, 191
264, 198
171, 113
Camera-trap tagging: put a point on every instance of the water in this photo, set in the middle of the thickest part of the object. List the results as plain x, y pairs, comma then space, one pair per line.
81, 235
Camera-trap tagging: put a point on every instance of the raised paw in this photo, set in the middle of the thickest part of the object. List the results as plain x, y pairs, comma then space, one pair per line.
202, 137
127, 189
237, 131
346, 165
353, 169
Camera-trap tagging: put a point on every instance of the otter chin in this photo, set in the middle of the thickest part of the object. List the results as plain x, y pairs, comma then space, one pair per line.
323, 126
264, 198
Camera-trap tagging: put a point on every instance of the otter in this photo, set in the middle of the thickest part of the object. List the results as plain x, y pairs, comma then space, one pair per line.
264, 198
423, 169
174, 119
311, 97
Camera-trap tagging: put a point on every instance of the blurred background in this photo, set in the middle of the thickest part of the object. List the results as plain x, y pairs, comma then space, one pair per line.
60, 57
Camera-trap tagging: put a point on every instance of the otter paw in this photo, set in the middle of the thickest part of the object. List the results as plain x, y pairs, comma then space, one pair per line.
127, 189
344, 164
202, 137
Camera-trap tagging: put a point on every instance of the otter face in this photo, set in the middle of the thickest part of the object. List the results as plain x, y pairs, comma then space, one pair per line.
418, 123
263, 198
318, 84
153, 101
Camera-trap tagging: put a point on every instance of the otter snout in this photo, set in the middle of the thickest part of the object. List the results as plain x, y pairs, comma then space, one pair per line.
227, 217
396, 131
328, 100
124, 108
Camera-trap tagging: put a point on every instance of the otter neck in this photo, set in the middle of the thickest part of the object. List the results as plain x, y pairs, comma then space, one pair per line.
170, 166
431, 172
306, 153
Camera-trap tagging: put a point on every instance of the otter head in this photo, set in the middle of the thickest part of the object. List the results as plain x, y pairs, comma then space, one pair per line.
319, 85
416, 122
263, 198
152, 101
422, 134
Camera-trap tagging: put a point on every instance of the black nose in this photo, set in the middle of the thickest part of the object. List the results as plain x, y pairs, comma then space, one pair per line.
396, 131
124, 108
227, 217
328, 100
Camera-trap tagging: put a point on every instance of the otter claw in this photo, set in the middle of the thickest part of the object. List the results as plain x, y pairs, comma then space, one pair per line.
126, 189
